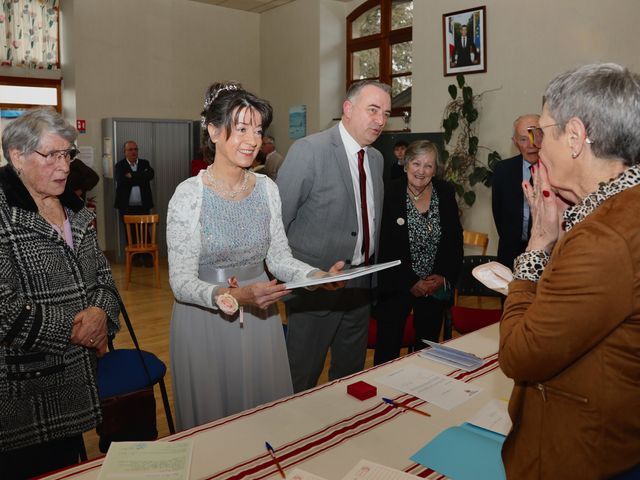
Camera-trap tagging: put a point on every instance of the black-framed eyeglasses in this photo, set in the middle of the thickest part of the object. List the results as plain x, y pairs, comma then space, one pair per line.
536, 134
69, 155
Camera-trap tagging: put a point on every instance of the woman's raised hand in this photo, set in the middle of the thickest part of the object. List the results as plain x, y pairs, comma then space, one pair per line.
545, 208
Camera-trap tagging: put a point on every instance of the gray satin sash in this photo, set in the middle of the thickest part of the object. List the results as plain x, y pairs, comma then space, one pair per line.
222, 275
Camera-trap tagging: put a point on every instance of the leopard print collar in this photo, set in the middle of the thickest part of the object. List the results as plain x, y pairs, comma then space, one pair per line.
578, 212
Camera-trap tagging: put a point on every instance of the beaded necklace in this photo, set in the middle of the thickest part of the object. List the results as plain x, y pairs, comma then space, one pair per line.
217, 186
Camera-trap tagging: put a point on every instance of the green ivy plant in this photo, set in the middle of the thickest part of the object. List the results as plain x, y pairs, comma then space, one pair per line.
462, 167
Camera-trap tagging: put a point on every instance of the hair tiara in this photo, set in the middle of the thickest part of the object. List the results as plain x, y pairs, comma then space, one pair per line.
229, 87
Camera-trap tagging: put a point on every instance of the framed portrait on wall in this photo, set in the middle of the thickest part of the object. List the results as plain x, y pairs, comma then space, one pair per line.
465, 41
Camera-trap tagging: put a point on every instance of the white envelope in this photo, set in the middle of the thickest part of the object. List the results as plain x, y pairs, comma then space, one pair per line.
494, 275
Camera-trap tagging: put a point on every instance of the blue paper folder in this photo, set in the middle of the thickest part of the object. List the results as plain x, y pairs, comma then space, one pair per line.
465, 452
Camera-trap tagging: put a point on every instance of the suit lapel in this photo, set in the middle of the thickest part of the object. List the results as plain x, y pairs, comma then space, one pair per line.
342, 163
378, 186
518, 184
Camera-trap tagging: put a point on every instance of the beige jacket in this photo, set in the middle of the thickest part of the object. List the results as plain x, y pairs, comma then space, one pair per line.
571, 342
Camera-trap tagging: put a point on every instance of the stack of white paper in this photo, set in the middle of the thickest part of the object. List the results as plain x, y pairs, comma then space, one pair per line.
342, 276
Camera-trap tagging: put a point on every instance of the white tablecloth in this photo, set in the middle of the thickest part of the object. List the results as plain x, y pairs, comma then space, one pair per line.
326, 431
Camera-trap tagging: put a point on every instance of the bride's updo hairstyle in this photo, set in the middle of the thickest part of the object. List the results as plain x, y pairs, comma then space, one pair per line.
223, 103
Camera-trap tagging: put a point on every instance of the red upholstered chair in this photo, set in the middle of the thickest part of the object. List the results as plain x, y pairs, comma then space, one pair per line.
466, 319
408, 337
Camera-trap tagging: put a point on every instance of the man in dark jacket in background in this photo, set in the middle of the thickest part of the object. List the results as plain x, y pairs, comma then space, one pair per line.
133, 189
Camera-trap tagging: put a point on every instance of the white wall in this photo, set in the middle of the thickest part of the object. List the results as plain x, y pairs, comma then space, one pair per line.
332, 67
290, 73
151, 59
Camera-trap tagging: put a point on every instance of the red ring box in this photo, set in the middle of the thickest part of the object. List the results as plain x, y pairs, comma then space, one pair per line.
361, 390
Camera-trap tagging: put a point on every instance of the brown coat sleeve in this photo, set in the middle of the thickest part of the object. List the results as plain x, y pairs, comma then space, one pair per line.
586, 291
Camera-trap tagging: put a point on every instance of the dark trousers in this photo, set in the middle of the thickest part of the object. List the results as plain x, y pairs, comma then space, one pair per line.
391, 315
37, 459
323, 320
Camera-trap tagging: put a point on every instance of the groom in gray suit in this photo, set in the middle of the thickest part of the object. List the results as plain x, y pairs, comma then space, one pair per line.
332, 192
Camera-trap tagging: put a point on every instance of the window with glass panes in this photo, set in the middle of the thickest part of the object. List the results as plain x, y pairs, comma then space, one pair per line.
380, 47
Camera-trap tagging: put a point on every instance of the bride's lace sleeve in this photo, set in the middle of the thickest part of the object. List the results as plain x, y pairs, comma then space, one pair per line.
280, 261
183, 244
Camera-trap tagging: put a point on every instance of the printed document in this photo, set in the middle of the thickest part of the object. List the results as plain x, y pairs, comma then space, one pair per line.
440, 390
367, 470
133, 460
493, 416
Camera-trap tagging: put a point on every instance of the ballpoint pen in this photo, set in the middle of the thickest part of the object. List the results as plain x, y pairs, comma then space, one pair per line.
404, 405
272, 452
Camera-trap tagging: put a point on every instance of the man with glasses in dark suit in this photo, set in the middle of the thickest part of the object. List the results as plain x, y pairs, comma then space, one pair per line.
510, 209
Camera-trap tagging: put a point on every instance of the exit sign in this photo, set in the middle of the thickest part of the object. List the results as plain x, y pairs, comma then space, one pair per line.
81, 126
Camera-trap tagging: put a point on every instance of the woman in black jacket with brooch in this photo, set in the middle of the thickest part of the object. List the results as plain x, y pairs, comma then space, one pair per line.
421, 227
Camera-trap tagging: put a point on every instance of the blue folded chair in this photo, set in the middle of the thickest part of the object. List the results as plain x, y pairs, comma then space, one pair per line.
125, 371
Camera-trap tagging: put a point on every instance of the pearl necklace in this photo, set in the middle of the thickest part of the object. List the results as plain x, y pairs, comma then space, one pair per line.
416, 196
221, 190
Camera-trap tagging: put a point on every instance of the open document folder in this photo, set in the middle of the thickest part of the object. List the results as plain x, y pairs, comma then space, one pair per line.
465, 452
478, 441
343, 275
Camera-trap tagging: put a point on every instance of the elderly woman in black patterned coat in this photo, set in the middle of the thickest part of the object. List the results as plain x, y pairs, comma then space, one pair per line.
58, 301
421, 227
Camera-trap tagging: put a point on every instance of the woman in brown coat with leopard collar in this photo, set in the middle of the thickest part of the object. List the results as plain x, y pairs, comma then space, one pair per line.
570, 332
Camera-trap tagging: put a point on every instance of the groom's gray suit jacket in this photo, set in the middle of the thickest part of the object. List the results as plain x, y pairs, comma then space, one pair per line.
318, 200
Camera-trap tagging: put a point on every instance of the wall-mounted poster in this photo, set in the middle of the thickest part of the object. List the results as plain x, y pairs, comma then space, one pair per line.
465, 41
297, 121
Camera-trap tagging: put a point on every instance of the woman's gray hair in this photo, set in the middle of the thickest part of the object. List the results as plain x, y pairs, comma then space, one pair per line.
606, 98
26, 131
421, 147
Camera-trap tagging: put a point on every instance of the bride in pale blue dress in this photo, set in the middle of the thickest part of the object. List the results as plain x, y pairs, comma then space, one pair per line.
222, 227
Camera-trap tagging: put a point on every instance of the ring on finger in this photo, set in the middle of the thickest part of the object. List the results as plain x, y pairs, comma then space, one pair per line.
92, 341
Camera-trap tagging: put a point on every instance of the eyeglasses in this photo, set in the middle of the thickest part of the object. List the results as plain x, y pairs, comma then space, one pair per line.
536, 134
52, 157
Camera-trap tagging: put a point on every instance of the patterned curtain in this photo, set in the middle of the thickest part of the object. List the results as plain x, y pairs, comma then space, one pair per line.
29, 34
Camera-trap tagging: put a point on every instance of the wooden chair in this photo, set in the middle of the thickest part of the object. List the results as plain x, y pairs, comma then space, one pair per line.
476, 239
141, 238
466, 319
